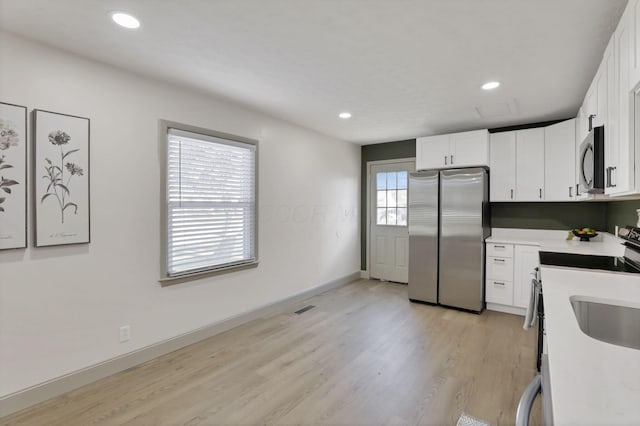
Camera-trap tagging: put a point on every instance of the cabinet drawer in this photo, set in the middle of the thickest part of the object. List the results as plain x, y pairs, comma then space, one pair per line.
499, 292
500, 268
499, 250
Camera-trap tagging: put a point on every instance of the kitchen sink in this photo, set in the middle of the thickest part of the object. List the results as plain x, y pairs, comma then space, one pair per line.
608, 322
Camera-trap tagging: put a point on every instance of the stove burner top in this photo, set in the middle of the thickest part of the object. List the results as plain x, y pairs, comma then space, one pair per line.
605, 263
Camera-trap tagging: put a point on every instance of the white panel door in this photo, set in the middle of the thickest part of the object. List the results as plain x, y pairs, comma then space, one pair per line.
530, 164
433, 152
526, 260
560, 161
503, 166
389, 233
470, 149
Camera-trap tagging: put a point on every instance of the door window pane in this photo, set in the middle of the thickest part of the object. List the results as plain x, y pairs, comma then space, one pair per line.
391, 216
381, 181
382, 199
381, 217
402, 180
402, 198
391, 198
391, 180
401, 217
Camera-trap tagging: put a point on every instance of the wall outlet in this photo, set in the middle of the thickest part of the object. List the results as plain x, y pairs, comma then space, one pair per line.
125, 333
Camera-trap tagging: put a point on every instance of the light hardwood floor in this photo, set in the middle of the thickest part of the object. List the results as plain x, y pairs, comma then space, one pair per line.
364, 355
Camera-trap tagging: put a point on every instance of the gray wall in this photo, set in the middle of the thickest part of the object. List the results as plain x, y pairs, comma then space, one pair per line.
376, 152
549, 215
622, 213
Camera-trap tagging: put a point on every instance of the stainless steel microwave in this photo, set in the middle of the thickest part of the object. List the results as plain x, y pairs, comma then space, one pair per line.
591, 162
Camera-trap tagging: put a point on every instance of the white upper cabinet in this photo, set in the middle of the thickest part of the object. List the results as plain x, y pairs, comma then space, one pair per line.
432, 152
559, 161
470, 148
530, 164
503, 166
463, 149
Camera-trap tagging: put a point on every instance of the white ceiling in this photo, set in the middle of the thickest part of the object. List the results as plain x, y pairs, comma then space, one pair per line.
404, 68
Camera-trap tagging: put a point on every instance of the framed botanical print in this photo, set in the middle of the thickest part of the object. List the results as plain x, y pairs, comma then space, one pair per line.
13, 176
61, 177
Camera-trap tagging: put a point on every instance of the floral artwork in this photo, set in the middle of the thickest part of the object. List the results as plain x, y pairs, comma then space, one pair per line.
9, 137
13, 176
61, 162
59, 182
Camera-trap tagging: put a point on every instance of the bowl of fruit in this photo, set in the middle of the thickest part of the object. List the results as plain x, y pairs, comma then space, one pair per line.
585, 234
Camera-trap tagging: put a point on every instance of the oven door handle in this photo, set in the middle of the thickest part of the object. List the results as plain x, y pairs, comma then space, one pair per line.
526, 401
532, 308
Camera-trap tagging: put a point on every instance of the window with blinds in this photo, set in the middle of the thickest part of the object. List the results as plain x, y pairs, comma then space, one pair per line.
211, 203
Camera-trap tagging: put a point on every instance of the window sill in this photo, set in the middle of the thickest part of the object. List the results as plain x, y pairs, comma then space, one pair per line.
167, 281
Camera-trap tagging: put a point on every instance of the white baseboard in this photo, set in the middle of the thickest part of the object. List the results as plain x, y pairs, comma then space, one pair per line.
28, 397
507, 309
364, 275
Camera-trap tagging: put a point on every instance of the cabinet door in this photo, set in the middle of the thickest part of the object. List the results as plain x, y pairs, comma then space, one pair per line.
530, 164
503, 166
611, 145
560, 161
433, 152
470, 149
526, 260
633, 12
619, 177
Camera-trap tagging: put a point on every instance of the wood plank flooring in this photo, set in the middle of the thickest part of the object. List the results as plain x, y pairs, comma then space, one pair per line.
364, 355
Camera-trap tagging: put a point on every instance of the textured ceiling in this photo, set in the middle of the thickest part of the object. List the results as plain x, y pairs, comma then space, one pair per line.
404, 68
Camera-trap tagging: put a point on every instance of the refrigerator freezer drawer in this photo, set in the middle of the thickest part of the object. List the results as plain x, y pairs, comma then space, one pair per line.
500, 268
499, 250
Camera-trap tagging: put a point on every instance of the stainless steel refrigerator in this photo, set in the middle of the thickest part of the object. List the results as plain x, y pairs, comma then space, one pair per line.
448, 223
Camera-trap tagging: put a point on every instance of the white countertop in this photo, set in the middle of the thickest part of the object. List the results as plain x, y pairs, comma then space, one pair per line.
592, 382
551, 240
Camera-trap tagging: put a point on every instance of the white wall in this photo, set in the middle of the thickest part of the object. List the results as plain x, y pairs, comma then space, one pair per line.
61, 307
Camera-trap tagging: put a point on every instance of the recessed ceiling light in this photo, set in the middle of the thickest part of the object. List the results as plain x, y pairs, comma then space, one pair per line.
125, 20
344, 115
491, 85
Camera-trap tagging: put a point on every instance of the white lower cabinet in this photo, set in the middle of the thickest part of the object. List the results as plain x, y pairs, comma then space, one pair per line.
526, 260
508, 276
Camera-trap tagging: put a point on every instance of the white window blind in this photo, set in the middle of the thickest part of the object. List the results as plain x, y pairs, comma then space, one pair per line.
211, 202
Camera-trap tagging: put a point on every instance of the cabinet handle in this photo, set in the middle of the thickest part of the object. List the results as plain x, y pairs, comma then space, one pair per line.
570, 192
451, 158
498, 246
498, 260
512, 194
540, 193
498, 283
445, 160
577, 190
608, 183
614, 172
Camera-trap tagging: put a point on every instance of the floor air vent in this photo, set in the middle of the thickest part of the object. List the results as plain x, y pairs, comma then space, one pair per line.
303, 310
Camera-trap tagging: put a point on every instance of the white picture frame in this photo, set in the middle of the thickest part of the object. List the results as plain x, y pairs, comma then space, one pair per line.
61, 179
13, 176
